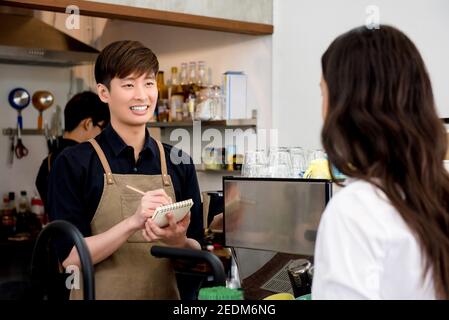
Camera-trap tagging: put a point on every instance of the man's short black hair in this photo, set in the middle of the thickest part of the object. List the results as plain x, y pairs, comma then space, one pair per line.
85, 105
123, 58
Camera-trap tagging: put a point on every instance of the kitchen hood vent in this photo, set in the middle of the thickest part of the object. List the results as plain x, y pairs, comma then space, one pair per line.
28, 40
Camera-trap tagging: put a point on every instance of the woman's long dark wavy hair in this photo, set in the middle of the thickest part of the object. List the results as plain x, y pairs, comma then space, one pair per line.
382, 127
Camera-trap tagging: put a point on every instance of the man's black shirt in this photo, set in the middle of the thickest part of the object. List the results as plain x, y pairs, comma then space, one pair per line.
76, 178
43, 174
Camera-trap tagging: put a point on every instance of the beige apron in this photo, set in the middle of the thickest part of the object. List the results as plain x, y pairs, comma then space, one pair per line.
130, 273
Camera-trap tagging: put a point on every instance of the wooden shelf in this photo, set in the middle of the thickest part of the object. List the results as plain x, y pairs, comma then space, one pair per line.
23, 132
238, 123
114, 11
201, 168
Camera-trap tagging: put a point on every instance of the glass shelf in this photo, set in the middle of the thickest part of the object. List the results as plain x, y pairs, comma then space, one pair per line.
202, 168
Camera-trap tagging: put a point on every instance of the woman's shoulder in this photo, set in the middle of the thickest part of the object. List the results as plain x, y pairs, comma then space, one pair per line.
361, 191
361, 201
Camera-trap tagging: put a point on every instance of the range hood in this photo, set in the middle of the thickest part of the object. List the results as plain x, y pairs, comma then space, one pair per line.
28, 40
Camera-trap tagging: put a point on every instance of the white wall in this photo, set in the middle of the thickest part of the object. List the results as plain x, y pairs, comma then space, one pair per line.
304, 29
21, 175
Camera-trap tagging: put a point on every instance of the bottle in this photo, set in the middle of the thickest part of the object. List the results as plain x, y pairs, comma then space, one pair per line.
163, 112
184, 80
23, 205
38, 210
191, 103
161, 87
7, 219
202, 74
13, 210
176, 96
162, 102
175, 86
192, 80
23, 210
217, 104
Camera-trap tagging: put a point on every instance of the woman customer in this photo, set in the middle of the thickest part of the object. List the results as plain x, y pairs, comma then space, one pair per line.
386, 234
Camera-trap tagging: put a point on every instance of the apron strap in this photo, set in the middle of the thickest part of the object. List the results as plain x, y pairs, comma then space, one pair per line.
103, 160
165, 178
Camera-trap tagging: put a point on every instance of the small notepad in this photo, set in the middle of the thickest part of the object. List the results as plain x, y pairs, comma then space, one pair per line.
179, 209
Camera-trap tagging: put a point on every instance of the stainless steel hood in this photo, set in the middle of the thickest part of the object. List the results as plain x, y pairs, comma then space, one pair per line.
28, 40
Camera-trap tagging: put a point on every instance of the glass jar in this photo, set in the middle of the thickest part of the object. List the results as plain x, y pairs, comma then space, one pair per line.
217, 103
204, 104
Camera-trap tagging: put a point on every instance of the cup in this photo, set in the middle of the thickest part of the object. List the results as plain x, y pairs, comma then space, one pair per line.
299, 162
280, 165
298, 274
254, 164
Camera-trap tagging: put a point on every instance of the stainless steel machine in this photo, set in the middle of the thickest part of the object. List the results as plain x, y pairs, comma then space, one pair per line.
269, 221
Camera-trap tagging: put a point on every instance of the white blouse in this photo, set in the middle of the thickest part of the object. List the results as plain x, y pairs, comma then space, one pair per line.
364, 250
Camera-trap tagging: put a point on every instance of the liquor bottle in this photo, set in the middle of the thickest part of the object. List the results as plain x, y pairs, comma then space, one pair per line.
162, 102
184, 80
176, 96
161, 87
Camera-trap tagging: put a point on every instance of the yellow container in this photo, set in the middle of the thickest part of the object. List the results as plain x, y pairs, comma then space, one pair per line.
280, 296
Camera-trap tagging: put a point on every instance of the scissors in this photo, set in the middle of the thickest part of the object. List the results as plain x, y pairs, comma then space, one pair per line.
20, 150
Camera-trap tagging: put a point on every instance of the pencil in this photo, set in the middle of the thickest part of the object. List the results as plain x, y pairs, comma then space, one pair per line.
136, 190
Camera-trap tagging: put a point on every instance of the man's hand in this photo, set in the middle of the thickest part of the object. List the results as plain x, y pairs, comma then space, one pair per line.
173, 235
148, 204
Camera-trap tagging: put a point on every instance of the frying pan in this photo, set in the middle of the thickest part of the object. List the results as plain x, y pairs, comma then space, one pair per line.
19, 99
42, 100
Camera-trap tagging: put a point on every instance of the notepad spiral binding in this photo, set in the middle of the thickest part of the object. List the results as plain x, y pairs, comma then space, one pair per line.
174, 206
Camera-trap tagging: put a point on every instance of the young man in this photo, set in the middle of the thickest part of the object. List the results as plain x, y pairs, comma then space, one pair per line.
85, 115
88, 185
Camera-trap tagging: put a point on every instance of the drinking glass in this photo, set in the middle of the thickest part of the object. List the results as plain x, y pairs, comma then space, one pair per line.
299, 163
280, 165
255, 164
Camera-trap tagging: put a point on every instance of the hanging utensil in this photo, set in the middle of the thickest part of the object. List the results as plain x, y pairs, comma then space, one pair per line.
56, 126
20, 150
12, 139
42, 100
48, 137
19, 99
